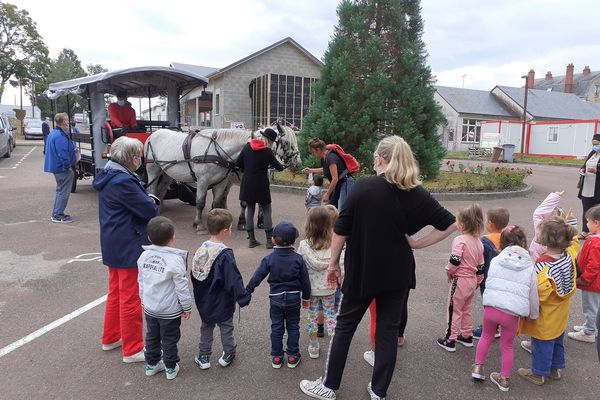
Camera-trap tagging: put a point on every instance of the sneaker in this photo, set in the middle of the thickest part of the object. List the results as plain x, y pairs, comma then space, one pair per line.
467, 342
477, 332
172, 372
277, 362
317, 390
369, 357
313, 351
526, 345
112, 346
555, 374
447, 344
137, 357
320, 331
372, 394
578, 328
152, 370
500, 381
203, 362
498, 333
477, 372
226, 359
581, 336
530, 376
293, 361
65, 219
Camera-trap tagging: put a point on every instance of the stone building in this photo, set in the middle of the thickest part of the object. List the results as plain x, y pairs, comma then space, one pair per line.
273, 83
585, 85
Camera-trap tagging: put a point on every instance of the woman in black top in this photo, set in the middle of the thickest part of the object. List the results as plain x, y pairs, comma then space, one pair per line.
254, 160
589, 191
335, 170
379, 264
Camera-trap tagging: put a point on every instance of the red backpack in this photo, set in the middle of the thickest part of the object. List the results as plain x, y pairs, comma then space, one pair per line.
352, 164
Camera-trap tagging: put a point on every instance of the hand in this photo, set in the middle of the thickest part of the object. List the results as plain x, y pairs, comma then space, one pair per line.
333, 278
412, 242
561, 193
591, 170
305, 304
325, 197
570, 215
582, 172
306, 171
450, 276
186, 315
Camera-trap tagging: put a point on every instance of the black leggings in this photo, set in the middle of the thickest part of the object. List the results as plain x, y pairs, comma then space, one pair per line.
251, 207
587, 203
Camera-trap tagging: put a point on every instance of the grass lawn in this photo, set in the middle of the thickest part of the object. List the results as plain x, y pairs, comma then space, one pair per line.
463, 155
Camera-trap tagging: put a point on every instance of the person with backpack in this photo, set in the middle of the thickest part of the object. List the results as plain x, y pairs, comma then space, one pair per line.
337, 166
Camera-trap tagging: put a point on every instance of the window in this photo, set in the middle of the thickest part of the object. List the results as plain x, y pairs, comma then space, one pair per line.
217, 103
471, 131
597, 90
553, 134
451, 135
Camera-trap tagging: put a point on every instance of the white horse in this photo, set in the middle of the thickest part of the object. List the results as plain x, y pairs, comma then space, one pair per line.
211, 163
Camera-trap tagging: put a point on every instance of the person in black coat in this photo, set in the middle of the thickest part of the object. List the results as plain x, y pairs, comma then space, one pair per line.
589, 190
254, 160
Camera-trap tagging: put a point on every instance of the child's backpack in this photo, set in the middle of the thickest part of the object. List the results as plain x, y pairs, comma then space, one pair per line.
352, 164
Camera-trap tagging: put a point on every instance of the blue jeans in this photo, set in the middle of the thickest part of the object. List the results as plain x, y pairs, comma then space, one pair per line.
64, 182
285, 314
547, 355
345, 188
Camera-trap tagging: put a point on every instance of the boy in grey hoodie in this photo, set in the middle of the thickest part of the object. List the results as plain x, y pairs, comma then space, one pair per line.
165, 296
314, 194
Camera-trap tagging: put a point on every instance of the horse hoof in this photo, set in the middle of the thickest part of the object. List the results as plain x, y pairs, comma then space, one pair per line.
202, 231
260, 226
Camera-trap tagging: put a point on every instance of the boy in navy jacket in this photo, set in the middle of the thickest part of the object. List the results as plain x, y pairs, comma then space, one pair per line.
217, 286
288, 281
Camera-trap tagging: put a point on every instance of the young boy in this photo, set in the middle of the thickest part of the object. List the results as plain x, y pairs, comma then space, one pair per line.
217, 286
496, 220
314, 194
165, 296
288, 280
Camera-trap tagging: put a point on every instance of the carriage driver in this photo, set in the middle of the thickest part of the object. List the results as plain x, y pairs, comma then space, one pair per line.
122, 115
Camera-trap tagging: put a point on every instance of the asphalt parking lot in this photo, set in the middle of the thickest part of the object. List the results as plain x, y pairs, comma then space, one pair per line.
48, 271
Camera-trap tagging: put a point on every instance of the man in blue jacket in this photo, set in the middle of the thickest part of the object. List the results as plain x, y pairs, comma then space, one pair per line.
59, 160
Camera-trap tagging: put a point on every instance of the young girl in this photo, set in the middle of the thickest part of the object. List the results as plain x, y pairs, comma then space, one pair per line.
465, 273
315, 250
589, 279
556, 285
510, 293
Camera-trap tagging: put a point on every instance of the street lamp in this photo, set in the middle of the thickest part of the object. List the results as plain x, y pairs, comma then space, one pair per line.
526, 77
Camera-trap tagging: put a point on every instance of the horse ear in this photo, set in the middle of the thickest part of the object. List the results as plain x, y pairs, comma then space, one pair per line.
279, 128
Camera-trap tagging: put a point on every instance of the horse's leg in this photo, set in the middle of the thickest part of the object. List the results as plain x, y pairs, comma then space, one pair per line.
162, 186
201, 189
260, 224
220, 193
242, 218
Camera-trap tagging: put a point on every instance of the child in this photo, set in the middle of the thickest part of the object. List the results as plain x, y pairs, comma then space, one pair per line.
589, 279
511, 293
556, 285
165, 296
217, 286
316, 252
288, 279
497, 219
465, 272
314, 194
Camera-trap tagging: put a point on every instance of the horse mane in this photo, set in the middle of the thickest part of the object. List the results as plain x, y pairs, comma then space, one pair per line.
237, 136
290, 135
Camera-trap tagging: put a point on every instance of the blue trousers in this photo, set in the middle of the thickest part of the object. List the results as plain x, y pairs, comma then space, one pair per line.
285, 315
547, 355
64, 181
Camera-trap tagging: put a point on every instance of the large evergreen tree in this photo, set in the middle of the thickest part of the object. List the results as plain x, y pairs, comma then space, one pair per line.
375, 82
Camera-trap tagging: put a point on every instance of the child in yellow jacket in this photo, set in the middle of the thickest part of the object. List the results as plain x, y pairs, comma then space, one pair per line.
556, 273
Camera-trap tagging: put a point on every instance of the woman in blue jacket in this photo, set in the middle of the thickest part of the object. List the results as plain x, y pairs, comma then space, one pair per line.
125, 209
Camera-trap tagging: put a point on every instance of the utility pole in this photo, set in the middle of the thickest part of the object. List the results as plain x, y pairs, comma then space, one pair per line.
526, 77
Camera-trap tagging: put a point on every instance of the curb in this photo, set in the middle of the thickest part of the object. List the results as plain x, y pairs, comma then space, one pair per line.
516, 162
449, 196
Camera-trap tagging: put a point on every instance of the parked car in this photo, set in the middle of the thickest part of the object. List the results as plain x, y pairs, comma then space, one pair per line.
32, 129
6, 141
11, 127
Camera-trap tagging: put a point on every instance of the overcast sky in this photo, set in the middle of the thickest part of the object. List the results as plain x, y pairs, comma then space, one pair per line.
484, 43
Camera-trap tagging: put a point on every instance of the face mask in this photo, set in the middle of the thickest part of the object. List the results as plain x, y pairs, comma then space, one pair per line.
121, 102
596, 147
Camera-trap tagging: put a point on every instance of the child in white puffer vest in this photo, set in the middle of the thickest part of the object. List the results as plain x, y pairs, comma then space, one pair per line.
510, 294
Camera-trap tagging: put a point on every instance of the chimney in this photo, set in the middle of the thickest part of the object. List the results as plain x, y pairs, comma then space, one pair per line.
569, 78
548, 76
530, 79
586, 70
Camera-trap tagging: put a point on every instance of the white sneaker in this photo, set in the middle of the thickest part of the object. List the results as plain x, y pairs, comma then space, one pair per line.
137, 357
152, 370
112, 346
313, 351
317, 390
372, 394
578, 328
369, 357
526, 345
172, 372
582, 337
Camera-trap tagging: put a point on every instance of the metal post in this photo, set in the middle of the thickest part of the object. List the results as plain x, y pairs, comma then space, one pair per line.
524, 116
149, 109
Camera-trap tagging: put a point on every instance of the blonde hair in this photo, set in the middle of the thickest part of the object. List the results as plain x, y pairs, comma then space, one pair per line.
319, 228
402, 169
333, 212
471, 218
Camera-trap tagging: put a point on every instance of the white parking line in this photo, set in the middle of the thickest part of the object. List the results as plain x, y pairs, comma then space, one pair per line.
32, 336
21, 160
